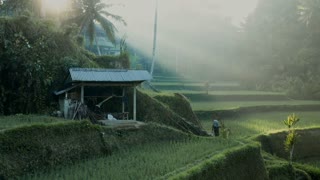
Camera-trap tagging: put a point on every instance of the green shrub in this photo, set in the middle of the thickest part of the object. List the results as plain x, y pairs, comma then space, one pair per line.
292, 136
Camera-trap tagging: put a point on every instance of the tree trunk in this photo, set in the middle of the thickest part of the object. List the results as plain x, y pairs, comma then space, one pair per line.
154, 38
98, 48
291, 155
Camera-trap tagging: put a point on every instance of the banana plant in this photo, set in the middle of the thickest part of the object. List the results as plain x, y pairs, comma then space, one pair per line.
292, 136
291, 120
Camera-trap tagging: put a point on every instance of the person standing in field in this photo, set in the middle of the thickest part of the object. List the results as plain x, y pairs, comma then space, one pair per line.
215, 126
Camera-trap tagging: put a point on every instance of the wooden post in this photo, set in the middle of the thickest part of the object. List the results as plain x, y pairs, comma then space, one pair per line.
65, 106
123, 98
134, 103
82, 94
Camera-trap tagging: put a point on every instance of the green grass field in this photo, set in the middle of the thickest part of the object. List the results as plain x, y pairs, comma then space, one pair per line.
195, 83
256, 123
221, 105
148, 161
226, 92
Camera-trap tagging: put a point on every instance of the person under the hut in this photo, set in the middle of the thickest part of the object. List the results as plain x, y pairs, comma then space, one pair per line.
215, 126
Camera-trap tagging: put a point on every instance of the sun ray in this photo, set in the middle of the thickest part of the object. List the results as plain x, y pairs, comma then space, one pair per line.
55, 6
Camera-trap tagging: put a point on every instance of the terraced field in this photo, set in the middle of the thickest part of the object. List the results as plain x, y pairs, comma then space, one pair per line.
159, 159
226, 95
148, 161
256, 123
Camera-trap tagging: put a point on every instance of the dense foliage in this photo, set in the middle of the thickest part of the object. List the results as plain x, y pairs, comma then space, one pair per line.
35, 58
281, 42
19, 7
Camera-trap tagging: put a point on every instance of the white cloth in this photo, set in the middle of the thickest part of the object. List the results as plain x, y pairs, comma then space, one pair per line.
110, 117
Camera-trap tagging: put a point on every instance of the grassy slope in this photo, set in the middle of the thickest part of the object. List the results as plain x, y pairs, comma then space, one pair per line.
152, 110
242, 162
311, 162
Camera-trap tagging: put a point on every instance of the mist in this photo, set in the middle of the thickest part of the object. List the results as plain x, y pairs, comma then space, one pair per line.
192, 36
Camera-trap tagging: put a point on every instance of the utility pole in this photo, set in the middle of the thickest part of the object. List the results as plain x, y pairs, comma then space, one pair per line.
154, 39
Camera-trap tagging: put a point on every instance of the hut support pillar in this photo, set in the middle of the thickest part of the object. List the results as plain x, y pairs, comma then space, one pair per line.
134, 103
65, 105
82, 94
123, 98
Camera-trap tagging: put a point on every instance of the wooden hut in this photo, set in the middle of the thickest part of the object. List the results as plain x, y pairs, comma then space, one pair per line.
95, 87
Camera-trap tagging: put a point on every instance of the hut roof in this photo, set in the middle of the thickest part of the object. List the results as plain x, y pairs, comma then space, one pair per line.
108, 75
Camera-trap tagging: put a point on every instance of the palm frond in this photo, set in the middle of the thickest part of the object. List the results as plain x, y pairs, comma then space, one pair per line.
100, 6
85, 22
108, 27
115, 17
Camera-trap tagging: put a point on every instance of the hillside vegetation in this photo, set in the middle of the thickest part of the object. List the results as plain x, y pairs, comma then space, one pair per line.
35, 59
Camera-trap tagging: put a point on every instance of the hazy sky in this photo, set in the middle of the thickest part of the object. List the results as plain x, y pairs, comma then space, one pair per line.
180, 22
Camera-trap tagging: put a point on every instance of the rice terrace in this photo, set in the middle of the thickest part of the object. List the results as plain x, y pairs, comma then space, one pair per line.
148, 89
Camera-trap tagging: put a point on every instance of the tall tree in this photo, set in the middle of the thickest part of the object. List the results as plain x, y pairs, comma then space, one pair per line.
283, 50
273, 37
89, 13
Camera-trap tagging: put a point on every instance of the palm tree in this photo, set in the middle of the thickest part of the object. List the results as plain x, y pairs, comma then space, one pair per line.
88, 13
309, 11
